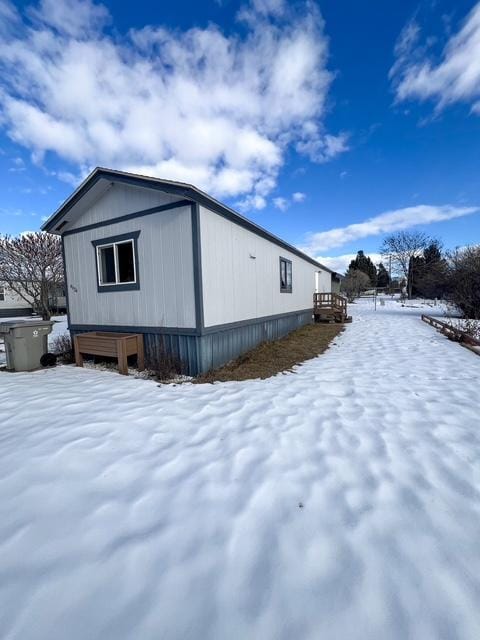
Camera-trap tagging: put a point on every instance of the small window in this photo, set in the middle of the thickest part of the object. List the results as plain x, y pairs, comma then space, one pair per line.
117, 262
285, 275
2, 294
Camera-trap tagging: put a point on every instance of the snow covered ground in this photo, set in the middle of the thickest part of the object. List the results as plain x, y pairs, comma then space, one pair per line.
339, 502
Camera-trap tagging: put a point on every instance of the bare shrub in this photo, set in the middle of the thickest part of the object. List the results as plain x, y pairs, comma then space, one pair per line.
464, 280
402, 248
468, 326
31, 265
354, 283
62, 347
472, 328
162, 364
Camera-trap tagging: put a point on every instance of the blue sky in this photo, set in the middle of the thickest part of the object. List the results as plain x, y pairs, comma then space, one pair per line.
329, 123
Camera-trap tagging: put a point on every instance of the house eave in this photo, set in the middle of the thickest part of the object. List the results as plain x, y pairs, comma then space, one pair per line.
184, 190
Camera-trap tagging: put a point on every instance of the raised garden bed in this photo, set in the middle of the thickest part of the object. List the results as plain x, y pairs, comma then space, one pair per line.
110, 344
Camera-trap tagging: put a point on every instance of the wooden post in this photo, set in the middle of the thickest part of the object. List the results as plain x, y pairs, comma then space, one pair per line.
140, 353
78, 355
122, 357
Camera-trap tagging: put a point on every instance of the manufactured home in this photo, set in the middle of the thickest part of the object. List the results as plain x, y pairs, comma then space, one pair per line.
164, 259
11, 304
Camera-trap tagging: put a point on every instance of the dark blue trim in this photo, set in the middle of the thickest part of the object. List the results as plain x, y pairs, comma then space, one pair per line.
190, 331
197, 267
66, 283
123, 286
129, 216
181, 331
287, 289
132, 235
245, 323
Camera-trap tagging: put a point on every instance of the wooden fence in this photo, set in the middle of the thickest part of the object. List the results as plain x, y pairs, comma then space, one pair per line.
453, 333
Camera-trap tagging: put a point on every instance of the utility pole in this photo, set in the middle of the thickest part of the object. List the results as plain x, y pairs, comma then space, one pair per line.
390, 272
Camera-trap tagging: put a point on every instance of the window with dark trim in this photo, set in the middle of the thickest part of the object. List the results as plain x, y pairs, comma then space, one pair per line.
117, 262
285, 275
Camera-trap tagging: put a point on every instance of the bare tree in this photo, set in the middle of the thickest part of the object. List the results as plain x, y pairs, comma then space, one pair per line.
32, 266
403, 247
354, 283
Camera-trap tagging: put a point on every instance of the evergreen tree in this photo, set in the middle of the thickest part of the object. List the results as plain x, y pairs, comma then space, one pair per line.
383, 279
363, 263
430, 277
416, 269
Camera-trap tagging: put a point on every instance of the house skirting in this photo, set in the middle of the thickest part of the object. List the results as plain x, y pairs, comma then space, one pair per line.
199, 353
15, 313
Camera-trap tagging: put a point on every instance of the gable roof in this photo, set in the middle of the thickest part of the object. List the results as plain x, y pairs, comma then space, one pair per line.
55, 223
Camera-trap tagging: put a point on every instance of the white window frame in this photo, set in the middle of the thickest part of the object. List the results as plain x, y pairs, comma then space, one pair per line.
115, 262
3, 294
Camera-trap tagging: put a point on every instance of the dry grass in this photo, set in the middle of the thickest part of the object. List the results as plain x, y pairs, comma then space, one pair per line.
270, 358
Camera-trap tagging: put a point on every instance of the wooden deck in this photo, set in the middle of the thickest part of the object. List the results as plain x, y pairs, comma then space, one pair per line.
330, 307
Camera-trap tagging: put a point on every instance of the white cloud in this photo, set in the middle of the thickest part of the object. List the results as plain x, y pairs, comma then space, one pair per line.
455, 77
340, 263
200, 106
11, 212
281, 203
269, 7
71, 17
298, 196
252, 202
384, 223
284, 203
323, 149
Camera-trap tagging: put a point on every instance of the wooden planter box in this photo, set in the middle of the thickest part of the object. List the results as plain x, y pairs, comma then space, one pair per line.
115, 345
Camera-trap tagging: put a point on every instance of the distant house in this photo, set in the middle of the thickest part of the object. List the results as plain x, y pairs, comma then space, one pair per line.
11, 304
57, 299
166, 260
14, 305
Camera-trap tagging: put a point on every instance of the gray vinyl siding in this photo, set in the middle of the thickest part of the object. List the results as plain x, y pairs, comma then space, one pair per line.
165, 263
241, 274
118, 200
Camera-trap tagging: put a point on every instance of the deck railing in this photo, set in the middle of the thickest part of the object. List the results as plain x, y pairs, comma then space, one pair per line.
329, 301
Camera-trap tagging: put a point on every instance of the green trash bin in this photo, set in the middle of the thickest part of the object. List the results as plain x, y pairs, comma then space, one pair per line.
25, 343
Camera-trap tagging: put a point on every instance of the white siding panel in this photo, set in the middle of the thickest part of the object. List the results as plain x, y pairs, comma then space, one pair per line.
120, 200
239, 287
165, 261
324, 282
12, 299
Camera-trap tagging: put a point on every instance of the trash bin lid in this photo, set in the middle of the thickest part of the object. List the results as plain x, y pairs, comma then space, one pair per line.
6, 327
